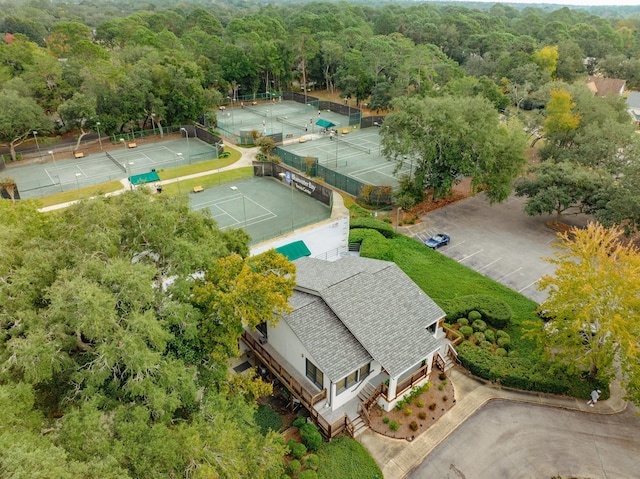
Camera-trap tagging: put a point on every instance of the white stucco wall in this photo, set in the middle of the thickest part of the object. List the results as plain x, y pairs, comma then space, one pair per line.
326, 240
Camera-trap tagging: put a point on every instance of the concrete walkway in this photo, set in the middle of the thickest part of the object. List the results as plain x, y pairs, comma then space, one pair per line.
397, 457
248, 155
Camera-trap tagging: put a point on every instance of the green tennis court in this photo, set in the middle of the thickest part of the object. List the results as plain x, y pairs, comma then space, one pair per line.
356, 154
55, 173
263, 207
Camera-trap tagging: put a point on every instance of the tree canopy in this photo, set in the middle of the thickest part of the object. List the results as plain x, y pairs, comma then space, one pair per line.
117, 320
593, 305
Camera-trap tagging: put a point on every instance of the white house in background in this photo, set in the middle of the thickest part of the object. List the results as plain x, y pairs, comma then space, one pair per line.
361, 331
633, 106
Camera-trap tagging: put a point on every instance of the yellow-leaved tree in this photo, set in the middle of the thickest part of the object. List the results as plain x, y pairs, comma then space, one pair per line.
594, 306
561, 120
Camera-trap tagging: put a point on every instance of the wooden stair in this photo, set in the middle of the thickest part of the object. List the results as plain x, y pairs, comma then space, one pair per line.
358, 426
366, 392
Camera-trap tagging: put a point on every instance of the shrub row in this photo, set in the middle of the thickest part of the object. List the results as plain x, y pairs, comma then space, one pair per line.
520, 373
372, 243
492, 310
384, 229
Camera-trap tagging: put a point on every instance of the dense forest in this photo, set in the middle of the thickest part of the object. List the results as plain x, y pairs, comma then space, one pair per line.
104, 372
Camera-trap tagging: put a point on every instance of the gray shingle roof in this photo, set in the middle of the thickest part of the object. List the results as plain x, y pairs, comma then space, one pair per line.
384, 311
333, 347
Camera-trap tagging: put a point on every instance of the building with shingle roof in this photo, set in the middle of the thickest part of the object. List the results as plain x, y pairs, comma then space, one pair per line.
606, 86
358, 321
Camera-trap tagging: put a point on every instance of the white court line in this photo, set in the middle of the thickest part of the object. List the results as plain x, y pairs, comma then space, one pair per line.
528, 286
487, 265
507, 275
82, 171
46, 170
469, 256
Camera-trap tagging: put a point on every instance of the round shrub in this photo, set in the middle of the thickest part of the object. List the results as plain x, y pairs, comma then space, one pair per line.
413, 426
299, 422
422, 415
312, 461
420, 403
432, 406
311, 437
474, 316
299, 450
500, 352
479, 337
294, 467
466, 331
308, 474
290, 444
479, 325
493, 310
490, 335
407, 412
486, 345
463, 322
386, 420
504, 343
502, 334
394, 426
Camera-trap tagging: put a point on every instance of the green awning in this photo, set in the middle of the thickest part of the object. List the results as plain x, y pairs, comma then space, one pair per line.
325, 123
293, 251
144, 178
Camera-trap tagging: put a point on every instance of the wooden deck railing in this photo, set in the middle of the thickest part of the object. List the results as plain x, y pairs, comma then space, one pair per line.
292, 384
412, 380
454, 336
439, 361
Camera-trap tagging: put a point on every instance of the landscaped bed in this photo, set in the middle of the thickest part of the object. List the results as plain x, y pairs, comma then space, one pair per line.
415, 416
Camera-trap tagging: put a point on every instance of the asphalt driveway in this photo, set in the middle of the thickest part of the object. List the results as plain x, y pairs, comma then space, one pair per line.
516, 440
499, 241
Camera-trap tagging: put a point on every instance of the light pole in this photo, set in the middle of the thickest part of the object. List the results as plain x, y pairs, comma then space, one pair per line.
397, 215
35, 137
244, 207
290, 181
130, 172
123, 143
78, 175
55, 169
178, 155
188, 148
99, 137
153, 123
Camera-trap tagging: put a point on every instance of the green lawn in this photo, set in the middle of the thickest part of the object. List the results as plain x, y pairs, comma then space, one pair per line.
82, 193
347, 458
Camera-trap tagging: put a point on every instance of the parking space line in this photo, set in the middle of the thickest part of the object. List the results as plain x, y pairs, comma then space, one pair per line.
469, 256
488, 264
453, 246
528, 286
507, 275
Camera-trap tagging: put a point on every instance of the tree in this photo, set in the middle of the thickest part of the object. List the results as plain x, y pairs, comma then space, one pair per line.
594, 306
76, 111
19, 117
561, 121
9, 185
108, 339
556, 187
448, 138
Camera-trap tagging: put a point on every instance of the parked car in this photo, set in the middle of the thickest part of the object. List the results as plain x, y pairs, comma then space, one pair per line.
438, 240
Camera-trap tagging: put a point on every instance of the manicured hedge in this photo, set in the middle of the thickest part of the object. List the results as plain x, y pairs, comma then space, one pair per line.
372, 243
494, 311
385, 229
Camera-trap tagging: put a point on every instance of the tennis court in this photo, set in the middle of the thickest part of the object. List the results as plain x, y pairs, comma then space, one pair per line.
357, 154
263, 207
290, 118
53, 174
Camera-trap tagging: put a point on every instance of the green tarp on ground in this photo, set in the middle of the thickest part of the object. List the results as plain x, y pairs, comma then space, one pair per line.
144, 178
325, 123
293, 251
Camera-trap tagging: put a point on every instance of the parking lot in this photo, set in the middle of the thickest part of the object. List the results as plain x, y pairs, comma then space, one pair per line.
499, 241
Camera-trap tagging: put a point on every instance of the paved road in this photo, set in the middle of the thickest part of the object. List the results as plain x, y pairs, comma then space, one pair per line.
513, 440
499, 241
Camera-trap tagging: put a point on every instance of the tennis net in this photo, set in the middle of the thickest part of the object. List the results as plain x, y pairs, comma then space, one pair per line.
256, 111
282, 119
116, 162
352, 145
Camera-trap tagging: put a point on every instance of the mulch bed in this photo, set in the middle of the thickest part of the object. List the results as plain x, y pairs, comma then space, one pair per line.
434, 396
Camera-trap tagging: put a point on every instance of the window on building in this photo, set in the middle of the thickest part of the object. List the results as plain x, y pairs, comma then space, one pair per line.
364, 371
314, 374
432, 328
353, 378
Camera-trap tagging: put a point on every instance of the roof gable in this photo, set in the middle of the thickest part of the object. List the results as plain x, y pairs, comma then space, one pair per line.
606, 86
384, 310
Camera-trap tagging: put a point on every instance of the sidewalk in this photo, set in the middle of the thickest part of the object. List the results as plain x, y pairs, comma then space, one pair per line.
398, 457
248, 155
